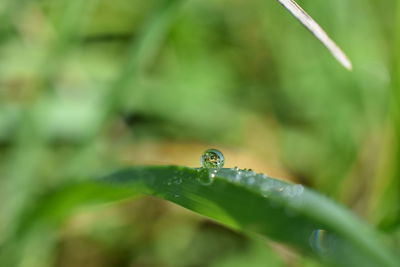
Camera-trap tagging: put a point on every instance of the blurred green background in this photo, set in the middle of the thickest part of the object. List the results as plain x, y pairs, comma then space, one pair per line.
91, 85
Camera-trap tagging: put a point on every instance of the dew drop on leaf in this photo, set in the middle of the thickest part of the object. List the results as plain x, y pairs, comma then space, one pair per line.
206, 176
321, 242
251, 180
212, 158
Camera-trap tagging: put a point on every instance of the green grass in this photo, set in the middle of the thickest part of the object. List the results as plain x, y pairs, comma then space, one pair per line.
239, 199
93, 85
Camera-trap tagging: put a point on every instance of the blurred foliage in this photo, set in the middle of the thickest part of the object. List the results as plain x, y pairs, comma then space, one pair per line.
90, 85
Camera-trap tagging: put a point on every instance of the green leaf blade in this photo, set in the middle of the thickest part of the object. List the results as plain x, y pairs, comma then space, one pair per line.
286, 213
245, 201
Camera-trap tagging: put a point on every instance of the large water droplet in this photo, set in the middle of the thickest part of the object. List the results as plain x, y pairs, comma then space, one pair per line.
212, 158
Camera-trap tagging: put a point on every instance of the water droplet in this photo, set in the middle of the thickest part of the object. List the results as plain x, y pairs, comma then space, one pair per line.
238, 176
206, 176
176, 195
320, 241
251, 180
213, 173
298, 189
177, 180
293, 190
212, 158
266, 189
236, 168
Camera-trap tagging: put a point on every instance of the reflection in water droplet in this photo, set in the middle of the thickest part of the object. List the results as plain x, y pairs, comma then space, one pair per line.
212, 158
320, 241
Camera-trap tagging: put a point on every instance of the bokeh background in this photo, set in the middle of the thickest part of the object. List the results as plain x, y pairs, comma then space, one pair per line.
92, 85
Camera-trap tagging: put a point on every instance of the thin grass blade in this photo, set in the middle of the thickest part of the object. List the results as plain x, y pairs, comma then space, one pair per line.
318, 32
